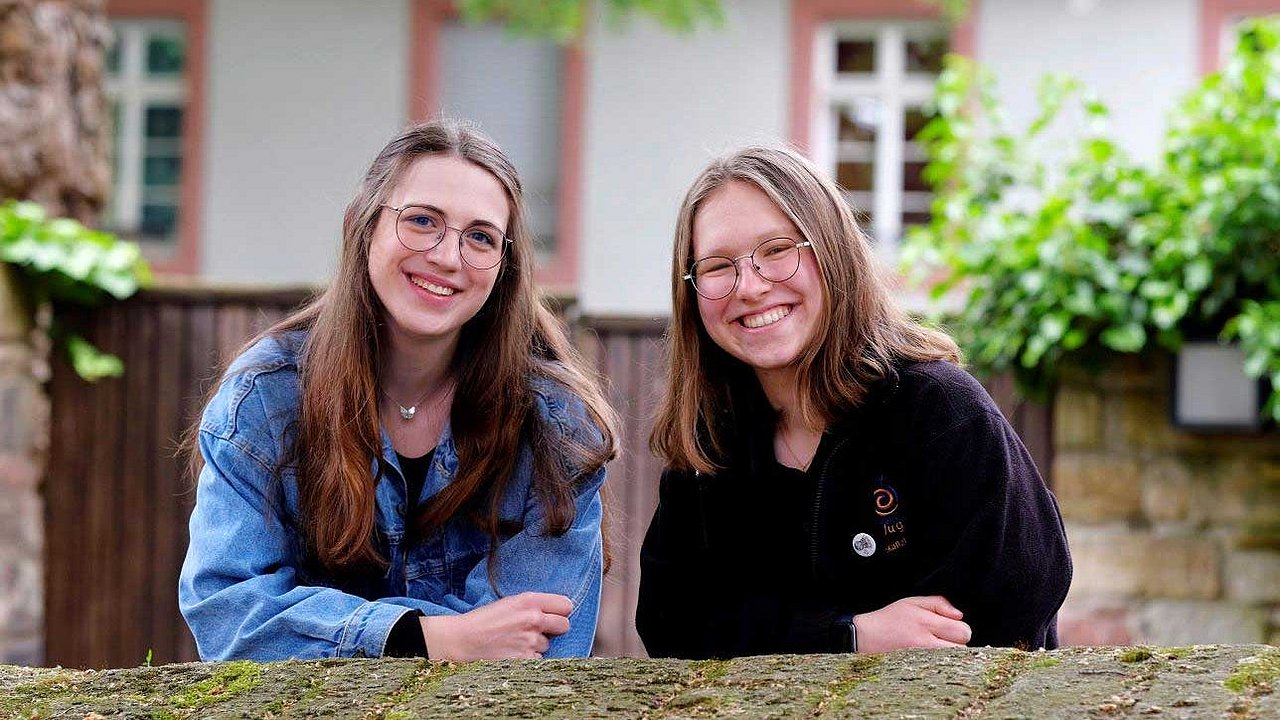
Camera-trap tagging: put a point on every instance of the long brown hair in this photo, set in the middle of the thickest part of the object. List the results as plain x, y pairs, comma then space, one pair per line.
503, 351
861, 335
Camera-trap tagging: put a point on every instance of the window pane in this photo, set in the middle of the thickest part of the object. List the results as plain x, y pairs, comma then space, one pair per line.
915, 120
913, 177
165, 54
113, 148
512, 87
925, 56
161, 170
915, 218
855, 175
856, 56
858, 121
159, 222
164, 121
112, 60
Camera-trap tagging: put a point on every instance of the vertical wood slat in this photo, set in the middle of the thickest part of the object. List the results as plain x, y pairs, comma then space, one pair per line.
170, 350
100, 480
136, 538
63, 549
618, 365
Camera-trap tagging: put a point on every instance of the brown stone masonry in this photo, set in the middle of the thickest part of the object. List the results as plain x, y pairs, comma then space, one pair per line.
1175, 535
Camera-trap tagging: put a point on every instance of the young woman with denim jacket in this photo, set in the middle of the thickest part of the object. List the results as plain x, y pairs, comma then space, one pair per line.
835, 481
412, 463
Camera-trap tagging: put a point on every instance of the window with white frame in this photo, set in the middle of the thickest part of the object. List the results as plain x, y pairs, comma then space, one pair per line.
146, 87
873, 82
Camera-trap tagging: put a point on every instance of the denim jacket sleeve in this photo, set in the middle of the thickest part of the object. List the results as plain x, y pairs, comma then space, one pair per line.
570, 564
239, 588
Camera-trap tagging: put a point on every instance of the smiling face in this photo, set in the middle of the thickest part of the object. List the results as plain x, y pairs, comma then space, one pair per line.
428, 296
766, 325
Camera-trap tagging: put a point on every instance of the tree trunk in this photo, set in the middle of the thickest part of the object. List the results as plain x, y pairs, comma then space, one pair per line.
53, 119
53, 150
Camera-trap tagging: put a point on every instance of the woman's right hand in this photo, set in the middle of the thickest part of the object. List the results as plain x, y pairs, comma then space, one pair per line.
517, 626
913, 622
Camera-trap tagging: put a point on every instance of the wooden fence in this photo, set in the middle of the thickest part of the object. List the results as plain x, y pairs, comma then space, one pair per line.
117, 500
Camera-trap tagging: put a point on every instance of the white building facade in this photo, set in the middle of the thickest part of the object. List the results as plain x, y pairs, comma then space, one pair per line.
243, 126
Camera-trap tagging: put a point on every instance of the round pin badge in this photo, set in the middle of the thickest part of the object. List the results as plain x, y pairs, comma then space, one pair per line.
864, 545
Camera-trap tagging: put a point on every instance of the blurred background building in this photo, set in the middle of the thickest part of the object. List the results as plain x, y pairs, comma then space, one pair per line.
242, 126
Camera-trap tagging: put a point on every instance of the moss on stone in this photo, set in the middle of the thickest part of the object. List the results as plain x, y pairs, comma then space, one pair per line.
424, 680
1133, 655
860, 670
1041, 663
34, 699
1212, 681
709, 671
227, 681
1259, 671
1001, 673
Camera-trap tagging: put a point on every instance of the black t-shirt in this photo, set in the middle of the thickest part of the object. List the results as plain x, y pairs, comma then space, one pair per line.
405, 638
415, 476
787, 536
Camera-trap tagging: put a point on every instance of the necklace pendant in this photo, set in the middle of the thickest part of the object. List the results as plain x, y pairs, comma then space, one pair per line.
407, 412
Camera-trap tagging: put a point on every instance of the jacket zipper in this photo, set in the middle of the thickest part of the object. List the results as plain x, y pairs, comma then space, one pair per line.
817, 507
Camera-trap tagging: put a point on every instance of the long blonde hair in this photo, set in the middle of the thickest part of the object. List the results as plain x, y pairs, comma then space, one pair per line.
513, 340
860, 337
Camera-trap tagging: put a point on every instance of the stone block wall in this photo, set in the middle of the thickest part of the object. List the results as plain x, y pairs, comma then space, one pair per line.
1207, 681
1175, 534
24, 412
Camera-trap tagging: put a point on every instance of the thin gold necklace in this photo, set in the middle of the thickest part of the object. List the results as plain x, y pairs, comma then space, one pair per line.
804, 466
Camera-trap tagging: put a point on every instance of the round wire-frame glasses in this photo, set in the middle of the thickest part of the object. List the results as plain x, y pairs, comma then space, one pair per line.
420, 228
776, 260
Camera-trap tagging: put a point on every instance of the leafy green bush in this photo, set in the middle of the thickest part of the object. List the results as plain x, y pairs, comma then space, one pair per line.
62, 261
1071, 257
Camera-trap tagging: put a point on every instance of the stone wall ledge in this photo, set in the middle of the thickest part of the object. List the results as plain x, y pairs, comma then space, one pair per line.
1210, 681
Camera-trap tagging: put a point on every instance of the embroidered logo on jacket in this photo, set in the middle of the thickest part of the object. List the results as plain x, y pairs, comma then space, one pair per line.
892, 528
886, 500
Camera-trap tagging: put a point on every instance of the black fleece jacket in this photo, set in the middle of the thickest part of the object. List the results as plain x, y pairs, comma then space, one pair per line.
923, 490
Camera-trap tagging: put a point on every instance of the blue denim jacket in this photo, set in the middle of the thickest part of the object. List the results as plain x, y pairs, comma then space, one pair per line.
245, 593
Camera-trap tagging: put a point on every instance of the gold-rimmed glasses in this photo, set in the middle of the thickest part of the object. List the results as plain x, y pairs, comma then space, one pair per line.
422, 227
776, 260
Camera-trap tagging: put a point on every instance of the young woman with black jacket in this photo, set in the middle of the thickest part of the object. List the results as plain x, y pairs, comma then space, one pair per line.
835, 481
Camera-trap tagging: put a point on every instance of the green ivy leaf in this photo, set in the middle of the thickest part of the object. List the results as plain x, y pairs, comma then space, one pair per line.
1127, 338
1053, 327
91, 363
69, 263
1197, 275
